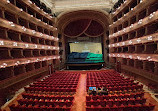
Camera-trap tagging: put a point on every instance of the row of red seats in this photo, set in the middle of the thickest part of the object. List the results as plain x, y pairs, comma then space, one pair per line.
38, 96
121, 96
116, 102
137, 107
49, 89
45, 102
118, 88
53, 86
38, 108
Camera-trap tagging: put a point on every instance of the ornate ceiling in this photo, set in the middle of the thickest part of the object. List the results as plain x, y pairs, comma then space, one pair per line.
58, 6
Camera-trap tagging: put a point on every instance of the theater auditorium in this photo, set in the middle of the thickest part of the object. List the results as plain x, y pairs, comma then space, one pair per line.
79, 55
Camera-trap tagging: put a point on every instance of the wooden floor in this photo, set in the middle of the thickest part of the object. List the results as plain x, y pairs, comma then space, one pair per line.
80, 96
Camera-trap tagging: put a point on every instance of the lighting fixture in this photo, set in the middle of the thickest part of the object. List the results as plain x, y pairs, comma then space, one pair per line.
131, 8
11, 24
15, 44
24, 28
30, 2
26, 45
138, 58
150, 38
39, 19
140, 21
41, 34
28, 61
118, 55
35, 46
141, 1
52, 37
31, 15
109, 46
109, 55
124, 29
48, 47
130, 42
151, 15
113, 45
123, 43
138, 40
33, 31
113, 34
1, 42
130, 56
21, 9
123, 56
131, 26
118, 44
8, 1
42, 47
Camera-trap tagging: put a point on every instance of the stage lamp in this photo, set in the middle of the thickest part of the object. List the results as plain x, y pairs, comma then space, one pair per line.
31, 15
123, 43
131, 8
118, 44
52, 37
48, 47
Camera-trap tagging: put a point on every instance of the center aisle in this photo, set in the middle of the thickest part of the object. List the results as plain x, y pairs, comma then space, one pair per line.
80, 96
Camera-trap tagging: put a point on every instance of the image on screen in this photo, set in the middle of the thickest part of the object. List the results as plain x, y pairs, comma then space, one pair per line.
91, 88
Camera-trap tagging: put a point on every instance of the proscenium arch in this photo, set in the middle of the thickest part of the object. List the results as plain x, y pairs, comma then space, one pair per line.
65, 18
